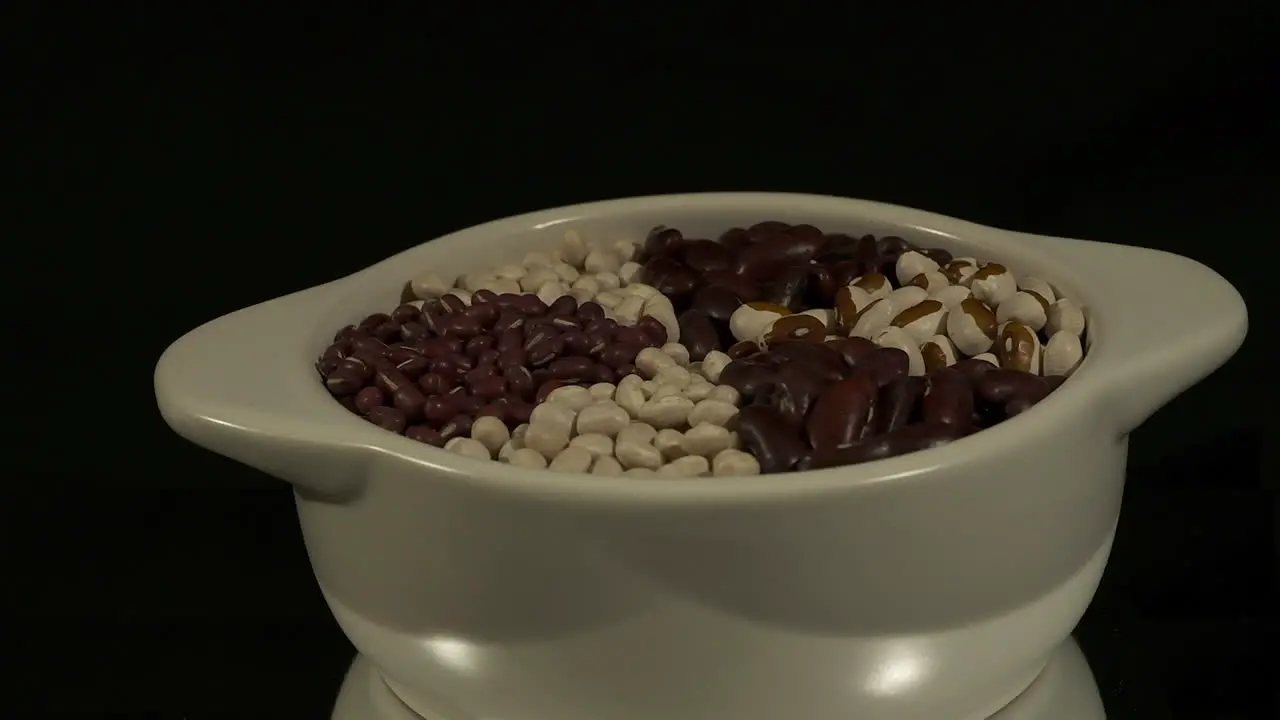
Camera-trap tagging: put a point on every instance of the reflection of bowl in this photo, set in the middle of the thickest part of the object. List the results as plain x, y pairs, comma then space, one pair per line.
930, 585
1065, 690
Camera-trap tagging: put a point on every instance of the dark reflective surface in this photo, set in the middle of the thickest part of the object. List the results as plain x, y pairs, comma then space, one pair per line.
171, 172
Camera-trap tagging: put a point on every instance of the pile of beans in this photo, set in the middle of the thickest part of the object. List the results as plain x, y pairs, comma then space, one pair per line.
774, 348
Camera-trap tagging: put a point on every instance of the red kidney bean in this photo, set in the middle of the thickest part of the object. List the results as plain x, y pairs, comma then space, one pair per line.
368, 345
451, 368
898, 402
1054, 381
497, 409
765, 229
734, 238
336, 351
698, 334
490, 388
388, 332
563, 322
838, 243
410, 401
519, 379
577, 342
414, 332
439, 408
908, 439
468, 404
477, 345
630, 335
574, 369
749, 379
842, 413
653, 329
1001, 386
433, 321
818, 358
545, 349
461, 326
545, 389
358, 367
821, 285
705, 256
884, 365
601, 374
479, 373
717, 302
485, 314
789, 288
391, 380
372, 321
510, 339
1017, 406
538, 335
346, 334
434, 384
456, 426
387, 418
670, 277
866, 251
424, 434
770, 256
413, 366
451, 304
764, 433
507, 301
437, 347
324, 367
508, 320
368, 398
565, 305
518, 412
662, 241
624, 370
948, 399
617, 355
742, 286
512, 356
973, 369
795, 388
530, 304
852, 350
589, 312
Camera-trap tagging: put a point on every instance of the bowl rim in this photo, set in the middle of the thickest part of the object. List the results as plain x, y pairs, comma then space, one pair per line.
970, 450
1071, 262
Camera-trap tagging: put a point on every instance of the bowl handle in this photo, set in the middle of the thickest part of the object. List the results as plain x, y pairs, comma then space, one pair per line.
1161, 323
239, 386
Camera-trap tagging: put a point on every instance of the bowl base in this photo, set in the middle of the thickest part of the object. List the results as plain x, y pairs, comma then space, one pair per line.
1064, 690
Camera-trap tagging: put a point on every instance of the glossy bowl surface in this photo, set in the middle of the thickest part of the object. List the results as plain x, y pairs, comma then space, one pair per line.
931, 585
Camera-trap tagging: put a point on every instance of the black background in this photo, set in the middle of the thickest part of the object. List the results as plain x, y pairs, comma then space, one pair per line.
171, 166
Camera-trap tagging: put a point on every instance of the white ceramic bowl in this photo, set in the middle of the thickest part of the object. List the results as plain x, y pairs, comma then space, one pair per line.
931, 585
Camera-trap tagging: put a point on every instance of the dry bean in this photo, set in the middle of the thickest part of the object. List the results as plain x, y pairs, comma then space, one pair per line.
706, 440
597, 444
468, 447
685, 467
527, 458
606, 465
842, 413
735, 463
572, 460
